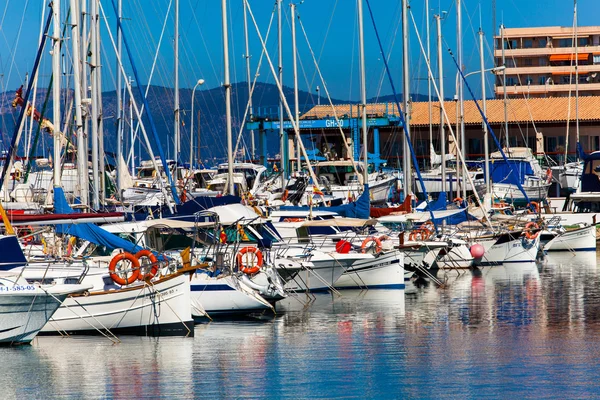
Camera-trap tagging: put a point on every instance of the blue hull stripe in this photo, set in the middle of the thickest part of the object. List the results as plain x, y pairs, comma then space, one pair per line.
385, 286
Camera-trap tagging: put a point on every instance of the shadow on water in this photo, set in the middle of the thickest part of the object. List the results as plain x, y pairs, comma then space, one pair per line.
518, 329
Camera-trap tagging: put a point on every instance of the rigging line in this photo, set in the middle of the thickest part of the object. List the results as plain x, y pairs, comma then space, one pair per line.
458, 152
389, 52
14, 46
138, 122
256, 75
344, 140
312, 81
401, 115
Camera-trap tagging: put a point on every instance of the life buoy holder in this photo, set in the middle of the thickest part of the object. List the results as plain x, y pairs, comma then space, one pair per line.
531, 226
153, 262
135, 269
548, 176
368, 240
255, 266
535, 204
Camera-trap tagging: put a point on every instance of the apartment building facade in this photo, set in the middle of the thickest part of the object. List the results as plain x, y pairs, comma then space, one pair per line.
540, 62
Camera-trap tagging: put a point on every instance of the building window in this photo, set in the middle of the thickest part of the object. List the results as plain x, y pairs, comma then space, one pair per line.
584, 41
543, 62
565, 79
528, 43
510, 63
542, 43
596, 59
510, 44
542, 80
565, 42
511, 81
527, 62
595, 143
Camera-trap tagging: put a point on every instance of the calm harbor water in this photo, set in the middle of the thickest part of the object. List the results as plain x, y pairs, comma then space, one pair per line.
520, 330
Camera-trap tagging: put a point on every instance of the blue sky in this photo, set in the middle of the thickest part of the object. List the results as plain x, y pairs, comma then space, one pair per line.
331, 26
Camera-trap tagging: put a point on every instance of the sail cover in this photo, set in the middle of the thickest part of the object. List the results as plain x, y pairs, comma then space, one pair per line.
89, 232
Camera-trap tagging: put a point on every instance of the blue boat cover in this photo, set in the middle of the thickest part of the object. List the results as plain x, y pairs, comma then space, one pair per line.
437, 205
501, 171
202, 203
11, 254
87, 231
356, 209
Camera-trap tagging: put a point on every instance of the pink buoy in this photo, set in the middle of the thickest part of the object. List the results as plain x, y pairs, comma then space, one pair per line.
477, 250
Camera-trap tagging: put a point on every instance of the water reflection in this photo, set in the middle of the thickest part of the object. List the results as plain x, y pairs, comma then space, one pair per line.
499, 331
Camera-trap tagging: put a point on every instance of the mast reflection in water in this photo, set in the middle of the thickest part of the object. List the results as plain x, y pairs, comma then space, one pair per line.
519, 329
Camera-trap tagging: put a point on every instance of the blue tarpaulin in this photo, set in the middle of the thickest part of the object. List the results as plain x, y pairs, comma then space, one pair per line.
87, 231
356, 209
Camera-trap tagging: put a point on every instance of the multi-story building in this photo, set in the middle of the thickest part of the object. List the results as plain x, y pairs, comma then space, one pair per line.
540, 62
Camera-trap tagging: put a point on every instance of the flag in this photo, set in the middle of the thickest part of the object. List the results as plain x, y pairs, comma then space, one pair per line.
223, 236
317, 191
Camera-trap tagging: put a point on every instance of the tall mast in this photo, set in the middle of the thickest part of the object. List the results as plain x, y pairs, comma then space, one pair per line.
296, 102
119, 100
438, 20
131, 131
56, 91
363, 91
428, 75
98, 99
81, 139
486, 148
93, 72
176, 142
280, 62
504, 84
576, 79
461, 98
227, 86
407, 165
247, 56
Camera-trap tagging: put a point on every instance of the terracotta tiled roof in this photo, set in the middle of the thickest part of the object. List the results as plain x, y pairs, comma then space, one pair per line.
540, 110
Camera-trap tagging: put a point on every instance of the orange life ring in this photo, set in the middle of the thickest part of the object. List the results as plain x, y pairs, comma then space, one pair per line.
529, 227
419, 235
428, 226
135, 264
548, 175
284, 196
370, 239
535, 204
293, 219
247, 269
153, 262
458, 200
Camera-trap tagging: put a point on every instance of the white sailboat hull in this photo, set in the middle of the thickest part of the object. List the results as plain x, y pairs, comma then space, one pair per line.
162, 308
382, 272
583, 239
509, 248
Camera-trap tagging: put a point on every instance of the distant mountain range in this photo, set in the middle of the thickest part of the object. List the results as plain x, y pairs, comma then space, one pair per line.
209, 104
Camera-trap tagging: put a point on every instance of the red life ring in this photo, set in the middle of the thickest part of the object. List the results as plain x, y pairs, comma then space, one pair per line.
530, 227
370, 239
153, 262
458, 200
255, 266
429, 227
548, 176
284, 196
420, 235
135, 268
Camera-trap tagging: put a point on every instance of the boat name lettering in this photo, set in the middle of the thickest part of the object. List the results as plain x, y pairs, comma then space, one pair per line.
17, 288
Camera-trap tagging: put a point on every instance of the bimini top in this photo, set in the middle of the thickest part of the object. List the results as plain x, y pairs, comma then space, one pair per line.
513, 152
